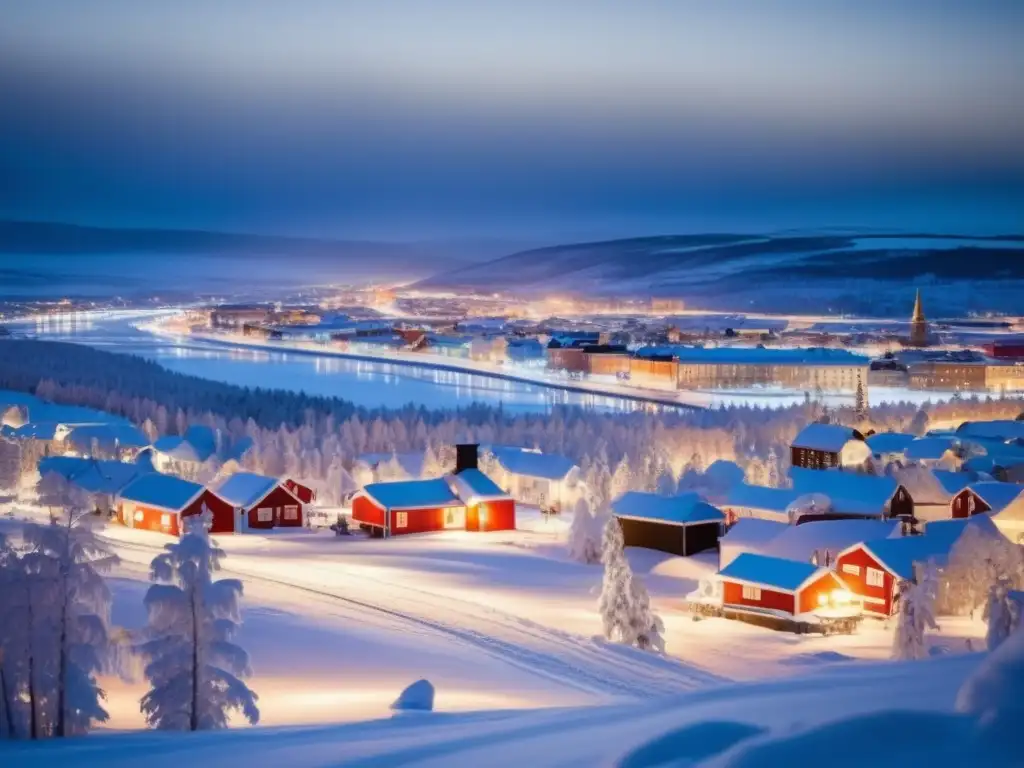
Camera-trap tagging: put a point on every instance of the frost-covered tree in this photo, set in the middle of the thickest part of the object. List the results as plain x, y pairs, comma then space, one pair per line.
860, 406
194, 667
978, 561
917, 615
1002, 612
67, 615
584, 539
626, 615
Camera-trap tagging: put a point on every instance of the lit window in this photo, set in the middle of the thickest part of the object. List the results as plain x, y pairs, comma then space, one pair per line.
265, 515
853, 570
291, 512
165, 521
875, 578
751, 593
401, 520
139, 516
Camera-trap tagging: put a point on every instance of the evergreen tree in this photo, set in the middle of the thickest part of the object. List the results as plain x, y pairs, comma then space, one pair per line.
861, 401
626, 615
917, 605
584, 541
194, 666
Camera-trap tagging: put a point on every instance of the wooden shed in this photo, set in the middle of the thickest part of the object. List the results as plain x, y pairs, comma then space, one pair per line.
156, 502
679, 525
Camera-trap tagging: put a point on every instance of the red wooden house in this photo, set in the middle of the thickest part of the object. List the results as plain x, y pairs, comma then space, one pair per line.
305, 494
467, 500
157, 502
778, 587
260, 502
984, 497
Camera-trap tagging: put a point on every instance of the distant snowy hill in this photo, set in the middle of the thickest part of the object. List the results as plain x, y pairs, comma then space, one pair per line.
848, 271
39, 258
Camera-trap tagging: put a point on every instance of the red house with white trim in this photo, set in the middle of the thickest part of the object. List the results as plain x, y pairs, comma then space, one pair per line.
775, 586
260, 502
991, 496
467, 500
156, 502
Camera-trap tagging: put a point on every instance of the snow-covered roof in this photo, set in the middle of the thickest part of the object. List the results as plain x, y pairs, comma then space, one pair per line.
953, 482
107, 436
753, 531
1002, 429
473, 485
775, 572
35, 430
412, 494
929, 448
92, 475
851, 493
243, 489
898, 555
800, 542
684, 509
161, 491
997, 495
889, 442
760, 497
549, 466
825, 437
197, 444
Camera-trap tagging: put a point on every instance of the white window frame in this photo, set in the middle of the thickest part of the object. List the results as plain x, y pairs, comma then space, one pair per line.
265, 515
291, 512
875, 577
401, 519
751, 592
850, 568
165, 520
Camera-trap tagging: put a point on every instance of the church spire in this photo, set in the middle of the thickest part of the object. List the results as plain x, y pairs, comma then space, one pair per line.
918, 316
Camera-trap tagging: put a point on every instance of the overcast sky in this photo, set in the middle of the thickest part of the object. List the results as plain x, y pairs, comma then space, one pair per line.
534, 118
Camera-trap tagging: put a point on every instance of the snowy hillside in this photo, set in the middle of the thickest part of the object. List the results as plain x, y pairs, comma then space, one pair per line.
852, 272
881, 715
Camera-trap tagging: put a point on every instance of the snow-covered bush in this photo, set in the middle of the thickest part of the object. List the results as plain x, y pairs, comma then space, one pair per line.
584, 537
916, 616
194, 667
993, 692
624, 604
1002, 612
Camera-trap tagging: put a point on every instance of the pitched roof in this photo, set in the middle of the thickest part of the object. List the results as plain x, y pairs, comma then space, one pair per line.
198, 444
825, 437
472, 484
534, 463
889, 442
760, 497
243, 489
413, 494
775, 572
929, 448
851, 493
92, 475
683, 509
952, 482
1002, 429
898, 555
161, 491
800, 542
997, 495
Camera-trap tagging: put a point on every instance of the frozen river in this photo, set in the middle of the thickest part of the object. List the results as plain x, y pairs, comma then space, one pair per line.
369, 384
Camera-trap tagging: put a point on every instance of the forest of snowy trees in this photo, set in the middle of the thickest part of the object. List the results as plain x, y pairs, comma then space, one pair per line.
319, 439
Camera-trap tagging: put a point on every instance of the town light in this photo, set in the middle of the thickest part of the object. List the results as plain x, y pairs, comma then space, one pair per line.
841, 597
822, 599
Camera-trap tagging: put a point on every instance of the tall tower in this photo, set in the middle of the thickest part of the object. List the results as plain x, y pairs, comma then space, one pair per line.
918, 325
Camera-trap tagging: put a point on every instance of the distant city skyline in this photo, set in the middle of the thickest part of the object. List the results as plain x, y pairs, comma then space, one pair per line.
548, 121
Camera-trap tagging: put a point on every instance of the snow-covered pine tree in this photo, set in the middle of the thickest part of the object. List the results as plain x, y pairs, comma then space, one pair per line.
648, 629
860, 401
917, 602
584, 540
616, 585
1002, 612
70, 612
194, 666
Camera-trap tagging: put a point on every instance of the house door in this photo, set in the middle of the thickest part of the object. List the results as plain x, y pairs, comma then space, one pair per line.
455, 518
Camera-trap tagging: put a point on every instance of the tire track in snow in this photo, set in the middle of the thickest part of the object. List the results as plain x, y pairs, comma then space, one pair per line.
586, 665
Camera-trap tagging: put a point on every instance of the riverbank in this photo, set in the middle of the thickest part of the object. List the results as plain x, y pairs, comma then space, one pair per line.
642, 397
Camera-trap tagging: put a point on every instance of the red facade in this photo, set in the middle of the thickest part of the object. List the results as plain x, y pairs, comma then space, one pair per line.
852, 566
366, 512
278, 509
150, 518
492, 516
426, 519
967, 503
804, 600
1005, 349
304, 493
770, 599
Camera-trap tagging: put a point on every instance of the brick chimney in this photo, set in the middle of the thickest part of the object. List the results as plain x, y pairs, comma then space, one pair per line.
465, 457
